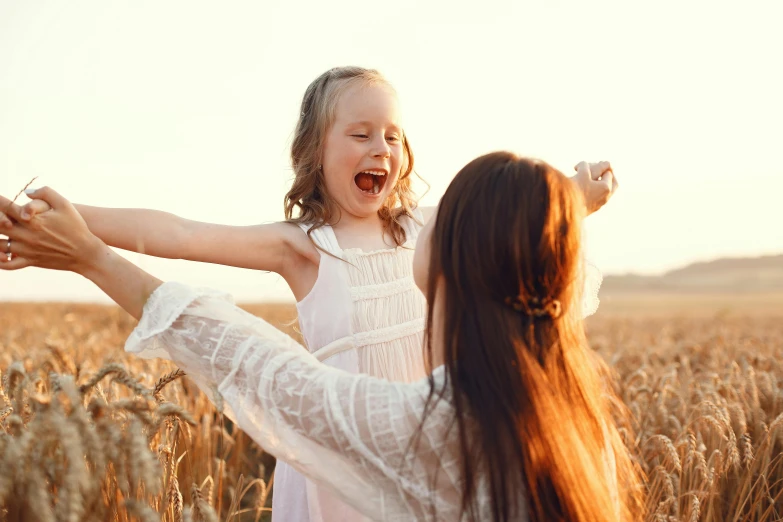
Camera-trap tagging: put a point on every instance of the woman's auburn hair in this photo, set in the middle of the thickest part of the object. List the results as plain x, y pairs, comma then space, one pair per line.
532, 409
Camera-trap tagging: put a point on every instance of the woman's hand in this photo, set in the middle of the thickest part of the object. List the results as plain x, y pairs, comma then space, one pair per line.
57, 239
597, 183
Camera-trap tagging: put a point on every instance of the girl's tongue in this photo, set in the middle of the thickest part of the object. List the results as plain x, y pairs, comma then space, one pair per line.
369, 183
364, 181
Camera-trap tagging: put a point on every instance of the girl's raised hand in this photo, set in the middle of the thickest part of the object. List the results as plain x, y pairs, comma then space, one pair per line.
24, 213
34, 207
597, 182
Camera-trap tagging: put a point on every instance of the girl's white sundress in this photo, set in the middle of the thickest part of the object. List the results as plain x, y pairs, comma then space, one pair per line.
364, 315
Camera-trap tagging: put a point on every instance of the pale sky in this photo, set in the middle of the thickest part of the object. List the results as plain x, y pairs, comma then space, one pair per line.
189, 107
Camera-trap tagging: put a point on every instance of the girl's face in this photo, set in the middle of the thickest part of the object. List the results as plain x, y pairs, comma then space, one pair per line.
363, 150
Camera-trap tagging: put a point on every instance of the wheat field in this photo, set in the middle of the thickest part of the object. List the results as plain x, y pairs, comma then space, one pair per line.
90, 433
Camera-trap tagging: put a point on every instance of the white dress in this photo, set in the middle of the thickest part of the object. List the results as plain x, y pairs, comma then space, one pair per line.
365, 314
348, 432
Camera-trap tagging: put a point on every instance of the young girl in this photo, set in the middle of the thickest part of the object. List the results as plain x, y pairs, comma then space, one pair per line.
513, 423
345, 250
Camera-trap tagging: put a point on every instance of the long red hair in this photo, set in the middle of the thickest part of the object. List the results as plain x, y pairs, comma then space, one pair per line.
532, 409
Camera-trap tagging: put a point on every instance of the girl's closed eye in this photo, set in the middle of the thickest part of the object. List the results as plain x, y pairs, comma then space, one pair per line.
362, 136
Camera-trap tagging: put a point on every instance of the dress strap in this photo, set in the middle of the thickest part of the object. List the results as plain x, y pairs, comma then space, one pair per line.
323, 237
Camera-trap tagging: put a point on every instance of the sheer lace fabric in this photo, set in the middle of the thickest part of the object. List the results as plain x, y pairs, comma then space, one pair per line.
348, 432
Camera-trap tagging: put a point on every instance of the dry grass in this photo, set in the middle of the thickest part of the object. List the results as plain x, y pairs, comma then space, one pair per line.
706, 395
90, 433
704, 384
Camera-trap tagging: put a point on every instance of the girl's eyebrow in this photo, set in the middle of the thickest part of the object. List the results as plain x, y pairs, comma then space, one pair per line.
370, 124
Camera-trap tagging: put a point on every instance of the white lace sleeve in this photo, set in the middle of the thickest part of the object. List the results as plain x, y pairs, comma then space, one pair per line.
591, 279
348, 432
592, 284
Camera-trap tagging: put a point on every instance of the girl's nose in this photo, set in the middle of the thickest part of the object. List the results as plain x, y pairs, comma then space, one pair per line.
381, 149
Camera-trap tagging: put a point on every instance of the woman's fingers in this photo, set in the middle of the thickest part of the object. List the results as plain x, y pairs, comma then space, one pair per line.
9, 254
33, 208
57, 239
19, 233
12, 261
49, 196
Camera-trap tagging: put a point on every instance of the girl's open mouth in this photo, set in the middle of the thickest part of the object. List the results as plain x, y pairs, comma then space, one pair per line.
371, 181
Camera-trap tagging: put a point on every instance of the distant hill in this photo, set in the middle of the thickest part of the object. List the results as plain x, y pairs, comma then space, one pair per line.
744, 275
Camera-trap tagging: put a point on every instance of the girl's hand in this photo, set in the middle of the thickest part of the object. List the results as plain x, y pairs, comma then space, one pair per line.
33, 208
57, 239
597, 183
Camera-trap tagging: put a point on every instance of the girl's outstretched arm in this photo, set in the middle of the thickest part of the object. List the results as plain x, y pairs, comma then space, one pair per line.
274, 247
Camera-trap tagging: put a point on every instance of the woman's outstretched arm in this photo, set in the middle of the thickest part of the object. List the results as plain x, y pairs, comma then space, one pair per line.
60, 240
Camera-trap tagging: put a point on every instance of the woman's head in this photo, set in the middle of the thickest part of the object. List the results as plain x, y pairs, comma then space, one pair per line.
506, 235
501, 269
350, 154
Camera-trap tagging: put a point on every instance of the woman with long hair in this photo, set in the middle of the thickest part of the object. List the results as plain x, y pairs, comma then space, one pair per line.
514, 420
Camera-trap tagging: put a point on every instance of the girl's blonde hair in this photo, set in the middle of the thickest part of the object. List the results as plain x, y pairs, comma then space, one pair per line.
308, 192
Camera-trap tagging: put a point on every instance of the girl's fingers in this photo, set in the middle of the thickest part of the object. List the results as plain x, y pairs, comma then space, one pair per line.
16, 263
11, 210
608, 180
49, 196
597, 170
583, 170
5, 223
